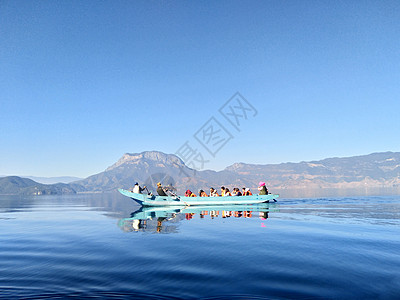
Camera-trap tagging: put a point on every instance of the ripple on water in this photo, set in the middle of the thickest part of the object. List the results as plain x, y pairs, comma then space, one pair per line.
309, 249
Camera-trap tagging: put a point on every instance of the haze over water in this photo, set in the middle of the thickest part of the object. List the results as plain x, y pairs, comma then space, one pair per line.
90, 246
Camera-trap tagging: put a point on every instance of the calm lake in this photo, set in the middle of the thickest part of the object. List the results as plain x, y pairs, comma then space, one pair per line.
104, 246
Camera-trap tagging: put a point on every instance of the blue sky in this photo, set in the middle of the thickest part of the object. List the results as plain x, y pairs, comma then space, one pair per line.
82, 83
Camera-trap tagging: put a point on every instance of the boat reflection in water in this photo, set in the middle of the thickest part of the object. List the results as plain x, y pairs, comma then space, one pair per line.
166, 219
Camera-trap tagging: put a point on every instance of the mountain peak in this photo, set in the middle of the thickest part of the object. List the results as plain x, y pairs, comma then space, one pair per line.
235, 167
156, 156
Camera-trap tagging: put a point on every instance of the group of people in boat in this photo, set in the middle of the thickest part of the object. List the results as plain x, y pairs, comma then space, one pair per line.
224, 192
213, 192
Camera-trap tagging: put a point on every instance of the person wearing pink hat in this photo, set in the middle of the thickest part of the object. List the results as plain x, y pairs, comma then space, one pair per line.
262, 188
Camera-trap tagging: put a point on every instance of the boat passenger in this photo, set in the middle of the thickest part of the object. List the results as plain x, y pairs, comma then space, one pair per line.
213, 193
236, 192
202, 193
223, 191
247, 192
160, 190
244, 191
227, 192
189, 194
137, 189
262, 188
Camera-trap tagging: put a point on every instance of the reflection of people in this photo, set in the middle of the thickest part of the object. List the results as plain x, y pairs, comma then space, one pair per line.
264, 215
159, 223
135, 224
138, 224
247, 214
262, 188
160, 190
189, 216
214, 213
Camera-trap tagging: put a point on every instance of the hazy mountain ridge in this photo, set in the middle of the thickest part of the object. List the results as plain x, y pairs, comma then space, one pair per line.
376, 170
14, 185
373, 170
48, 180
53, 180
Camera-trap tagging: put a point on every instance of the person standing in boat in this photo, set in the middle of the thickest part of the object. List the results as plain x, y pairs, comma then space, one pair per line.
262, 188
160, 190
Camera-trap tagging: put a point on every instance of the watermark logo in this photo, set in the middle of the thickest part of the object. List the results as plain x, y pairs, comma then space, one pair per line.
167, 180
236, 110
191, 156
213, 135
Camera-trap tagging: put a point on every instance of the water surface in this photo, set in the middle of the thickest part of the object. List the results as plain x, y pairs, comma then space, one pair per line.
90, 246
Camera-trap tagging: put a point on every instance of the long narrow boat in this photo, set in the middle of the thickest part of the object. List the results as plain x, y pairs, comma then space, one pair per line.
152, 200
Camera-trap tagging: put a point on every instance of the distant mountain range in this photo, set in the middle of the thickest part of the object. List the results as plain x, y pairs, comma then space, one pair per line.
14, 185
52, 180
364, 173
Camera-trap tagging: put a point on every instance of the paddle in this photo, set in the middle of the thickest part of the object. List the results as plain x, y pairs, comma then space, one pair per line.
148, 192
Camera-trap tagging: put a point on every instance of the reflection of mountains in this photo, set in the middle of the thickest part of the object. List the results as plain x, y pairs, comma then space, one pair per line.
13, 203
167, 219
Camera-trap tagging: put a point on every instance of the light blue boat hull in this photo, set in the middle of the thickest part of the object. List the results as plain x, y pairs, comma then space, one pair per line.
151, 200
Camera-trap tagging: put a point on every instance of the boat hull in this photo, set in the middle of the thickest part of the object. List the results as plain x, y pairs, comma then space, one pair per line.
151, 200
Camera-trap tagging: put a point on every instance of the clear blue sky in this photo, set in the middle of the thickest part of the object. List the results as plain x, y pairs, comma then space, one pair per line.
83, 82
